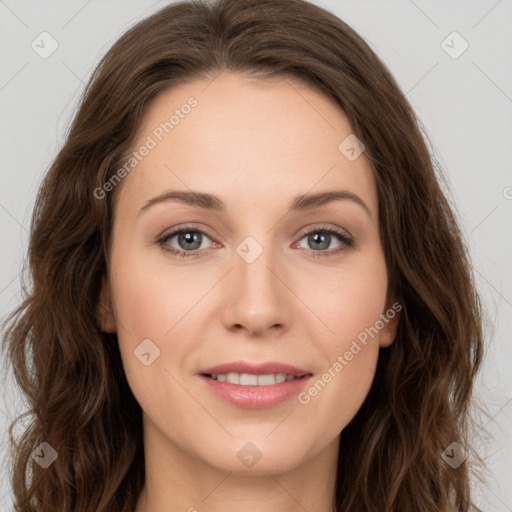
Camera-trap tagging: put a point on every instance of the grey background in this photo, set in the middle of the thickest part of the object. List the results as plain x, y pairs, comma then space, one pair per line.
464, 104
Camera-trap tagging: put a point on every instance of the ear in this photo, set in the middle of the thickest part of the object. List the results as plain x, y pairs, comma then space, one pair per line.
104, 308
391, 319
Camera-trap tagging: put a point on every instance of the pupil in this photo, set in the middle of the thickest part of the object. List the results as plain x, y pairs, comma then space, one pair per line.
190, 237
324, 236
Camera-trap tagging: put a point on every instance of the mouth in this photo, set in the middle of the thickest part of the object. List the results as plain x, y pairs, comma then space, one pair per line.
243, 373
255, 386
248, 379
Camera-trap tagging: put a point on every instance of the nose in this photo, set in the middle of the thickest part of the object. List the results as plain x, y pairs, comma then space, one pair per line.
257, 296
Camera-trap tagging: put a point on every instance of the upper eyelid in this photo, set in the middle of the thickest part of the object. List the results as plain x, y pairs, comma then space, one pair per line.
175, 231
320, 227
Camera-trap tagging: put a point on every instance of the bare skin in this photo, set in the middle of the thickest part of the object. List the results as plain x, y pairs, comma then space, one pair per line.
255, 145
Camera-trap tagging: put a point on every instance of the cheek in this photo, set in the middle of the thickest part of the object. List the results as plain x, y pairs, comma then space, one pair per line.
148, 313
350, 305
150, 296
335, 396
350, 354
143, 305
352, 299
146, 308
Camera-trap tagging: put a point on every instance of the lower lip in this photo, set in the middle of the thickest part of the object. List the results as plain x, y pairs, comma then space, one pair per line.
256, 397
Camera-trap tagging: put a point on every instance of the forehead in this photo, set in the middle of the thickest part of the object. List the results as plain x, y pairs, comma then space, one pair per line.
247, 139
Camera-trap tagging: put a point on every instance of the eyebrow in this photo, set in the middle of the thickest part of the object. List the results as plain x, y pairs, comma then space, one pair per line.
214, 203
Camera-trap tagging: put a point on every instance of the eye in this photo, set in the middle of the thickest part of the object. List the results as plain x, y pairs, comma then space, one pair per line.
321, 238
189, 241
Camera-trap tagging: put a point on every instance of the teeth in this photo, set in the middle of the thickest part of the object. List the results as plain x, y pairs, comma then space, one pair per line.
246, 379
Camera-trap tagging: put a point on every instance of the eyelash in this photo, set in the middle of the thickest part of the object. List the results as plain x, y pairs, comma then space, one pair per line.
345, 240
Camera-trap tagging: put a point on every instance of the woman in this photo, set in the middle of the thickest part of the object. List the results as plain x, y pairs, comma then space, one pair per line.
249, 289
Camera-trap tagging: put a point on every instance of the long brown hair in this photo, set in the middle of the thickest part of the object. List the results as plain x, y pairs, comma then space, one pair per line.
71, 372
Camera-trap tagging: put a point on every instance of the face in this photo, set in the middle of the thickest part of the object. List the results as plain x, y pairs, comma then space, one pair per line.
262, 277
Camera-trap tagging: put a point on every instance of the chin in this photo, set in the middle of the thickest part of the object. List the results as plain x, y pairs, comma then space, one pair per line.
257, 456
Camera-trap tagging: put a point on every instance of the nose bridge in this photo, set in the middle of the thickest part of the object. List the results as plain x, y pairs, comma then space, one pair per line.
256, 297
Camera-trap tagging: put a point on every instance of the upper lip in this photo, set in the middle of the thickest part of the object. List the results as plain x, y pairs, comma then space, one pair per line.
255, 369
